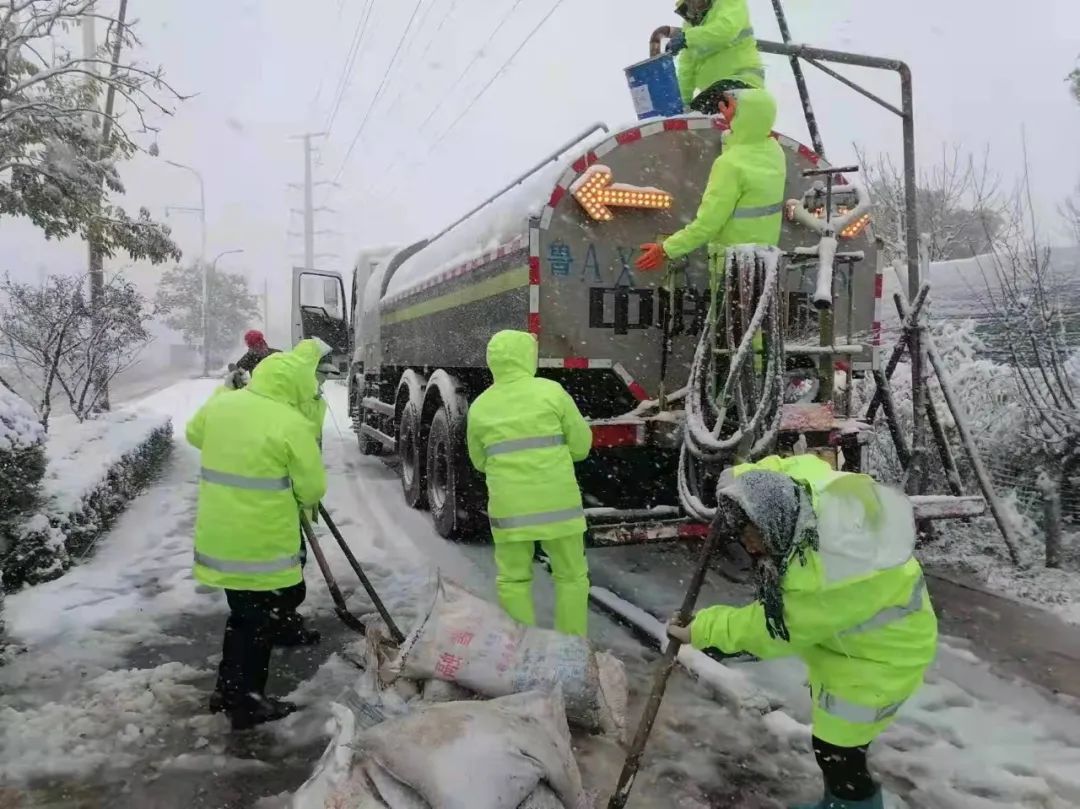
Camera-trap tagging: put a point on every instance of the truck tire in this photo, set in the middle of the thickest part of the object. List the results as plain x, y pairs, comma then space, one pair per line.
446, 478
411, 455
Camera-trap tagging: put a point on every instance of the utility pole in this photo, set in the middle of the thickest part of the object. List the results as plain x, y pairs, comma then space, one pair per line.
309, 199
96, 256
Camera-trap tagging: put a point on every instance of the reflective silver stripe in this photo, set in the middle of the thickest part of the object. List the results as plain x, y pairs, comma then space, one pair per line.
542, 518
230, 566
851, 712
892, 614
518, 444
744, 34
756, 211
245, 482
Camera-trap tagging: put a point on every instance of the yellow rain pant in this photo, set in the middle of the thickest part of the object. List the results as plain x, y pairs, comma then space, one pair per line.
569, 570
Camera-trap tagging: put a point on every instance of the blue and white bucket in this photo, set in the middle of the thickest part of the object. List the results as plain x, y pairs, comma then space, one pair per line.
654, 87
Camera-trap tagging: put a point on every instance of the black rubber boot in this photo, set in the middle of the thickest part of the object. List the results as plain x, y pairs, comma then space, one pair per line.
290, 631
252, 711
217, 702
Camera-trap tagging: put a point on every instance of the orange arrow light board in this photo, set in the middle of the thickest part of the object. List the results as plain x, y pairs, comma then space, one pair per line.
598, 194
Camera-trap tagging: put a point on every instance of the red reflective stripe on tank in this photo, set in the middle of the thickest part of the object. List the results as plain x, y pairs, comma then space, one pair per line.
875, 333
879, 285
677, 125
557, 195
629, 136
809, 154
583, 163
576, 363
637, 391
693, 529
534, 269
534, 322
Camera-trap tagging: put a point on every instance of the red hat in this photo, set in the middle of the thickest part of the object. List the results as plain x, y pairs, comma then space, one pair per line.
254, 338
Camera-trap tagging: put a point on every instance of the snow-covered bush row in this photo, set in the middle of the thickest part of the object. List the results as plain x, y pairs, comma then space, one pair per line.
22, 459
22, 465
93, 470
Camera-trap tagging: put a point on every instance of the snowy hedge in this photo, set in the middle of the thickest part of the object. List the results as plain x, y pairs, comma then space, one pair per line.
93, 470
22, 458
22, 465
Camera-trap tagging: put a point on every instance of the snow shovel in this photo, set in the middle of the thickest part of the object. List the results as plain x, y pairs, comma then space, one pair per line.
663, 673
340, 607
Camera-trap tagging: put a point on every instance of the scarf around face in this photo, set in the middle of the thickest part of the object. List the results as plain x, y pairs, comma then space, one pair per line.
784, 515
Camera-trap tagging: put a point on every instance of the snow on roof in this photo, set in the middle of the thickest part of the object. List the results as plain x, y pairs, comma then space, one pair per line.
966, 288
495, 224
19, 426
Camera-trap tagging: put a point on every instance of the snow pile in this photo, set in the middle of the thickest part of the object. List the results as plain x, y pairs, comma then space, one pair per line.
93, 469
111, 718
471, 642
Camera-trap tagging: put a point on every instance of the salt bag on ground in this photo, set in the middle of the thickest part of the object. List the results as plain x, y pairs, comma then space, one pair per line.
466, 640
508, 753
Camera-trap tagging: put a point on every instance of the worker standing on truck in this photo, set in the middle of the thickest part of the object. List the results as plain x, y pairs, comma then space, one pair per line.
260, 464
717, 44
525, 434
743, 202
839, 587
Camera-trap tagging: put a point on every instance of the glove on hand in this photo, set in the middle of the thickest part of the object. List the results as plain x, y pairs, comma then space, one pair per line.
676, 43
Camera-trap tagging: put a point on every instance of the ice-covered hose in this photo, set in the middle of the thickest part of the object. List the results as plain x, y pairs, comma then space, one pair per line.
758, 410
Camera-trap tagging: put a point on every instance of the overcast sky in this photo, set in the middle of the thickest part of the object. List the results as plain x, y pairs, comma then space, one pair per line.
265, 70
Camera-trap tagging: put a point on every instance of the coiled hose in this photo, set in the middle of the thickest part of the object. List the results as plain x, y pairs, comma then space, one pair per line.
751, 278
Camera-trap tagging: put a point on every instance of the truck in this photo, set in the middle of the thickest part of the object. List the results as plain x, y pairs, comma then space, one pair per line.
553, 254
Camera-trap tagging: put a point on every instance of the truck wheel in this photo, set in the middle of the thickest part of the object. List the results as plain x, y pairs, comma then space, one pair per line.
444, 477
411, 455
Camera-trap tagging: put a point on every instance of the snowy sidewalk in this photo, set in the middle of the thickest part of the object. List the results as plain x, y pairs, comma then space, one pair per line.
108, 705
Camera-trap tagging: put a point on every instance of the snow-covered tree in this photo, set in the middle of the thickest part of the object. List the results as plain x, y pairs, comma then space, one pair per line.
230, 306
50, 336
1070, 211
58, 149
958, 201
1074, 83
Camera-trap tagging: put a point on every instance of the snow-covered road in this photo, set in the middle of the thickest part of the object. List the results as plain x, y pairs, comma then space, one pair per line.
106, 707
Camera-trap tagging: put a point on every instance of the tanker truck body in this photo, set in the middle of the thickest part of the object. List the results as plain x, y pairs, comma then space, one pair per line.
553, 255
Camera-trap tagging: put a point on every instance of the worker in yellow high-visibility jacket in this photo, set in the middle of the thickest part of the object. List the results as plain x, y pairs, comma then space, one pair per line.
838, 586
260, 466
717, 44
525, 434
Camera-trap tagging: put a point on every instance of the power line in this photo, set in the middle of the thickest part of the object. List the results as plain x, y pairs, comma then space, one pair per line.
475, 59
329, 58
495, 78
359, 33
378, 92
397, 160
427, 46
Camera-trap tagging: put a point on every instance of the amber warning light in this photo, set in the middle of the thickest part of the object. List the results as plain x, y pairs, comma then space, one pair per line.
598, 194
